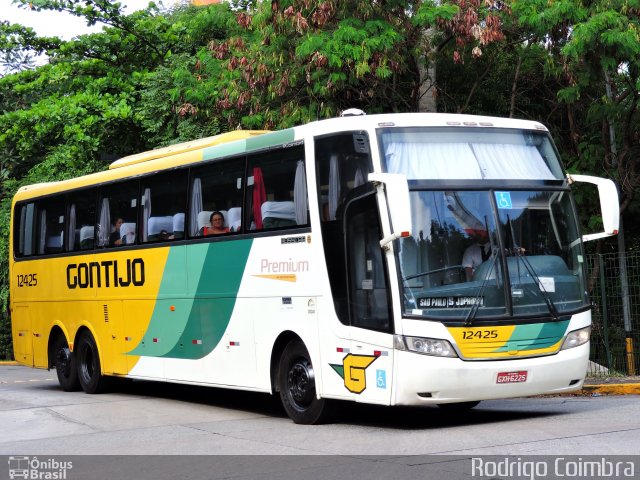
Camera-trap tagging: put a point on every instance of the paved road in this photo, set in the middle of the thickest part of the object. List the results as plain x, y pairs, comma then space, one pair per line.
145, 418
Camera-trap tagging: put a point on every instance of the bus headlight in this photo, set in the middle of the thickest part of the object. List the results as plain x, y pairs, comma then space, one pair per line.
426, 346
577, 338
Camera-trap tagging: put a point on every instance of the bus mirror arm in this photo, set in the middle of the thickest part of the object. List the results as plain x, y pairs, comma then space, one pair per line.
397, 190
609, 204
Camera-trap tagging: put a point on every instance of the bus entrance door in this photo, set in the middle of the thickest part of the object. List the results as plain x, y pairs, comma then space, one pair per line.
369, 368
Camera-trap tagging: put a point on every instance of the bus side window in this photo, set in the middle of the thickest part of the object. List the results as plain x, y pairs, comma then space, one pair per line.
81, 220
24, 230
216, 187
51, 225
163, 204
342, 164
277, 190
117, 214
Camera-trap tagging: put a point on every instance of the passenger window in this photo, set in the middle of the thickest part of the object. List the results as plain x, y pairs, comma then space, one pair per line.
163, 206
24, 230
216, 187
277, 190
81, 222
117, 214
51, 218
342, 162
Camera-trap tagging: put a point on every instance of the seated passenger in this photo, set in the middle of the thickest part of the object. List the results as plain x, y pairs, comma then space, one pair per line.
114, 237
476, 253
217, 225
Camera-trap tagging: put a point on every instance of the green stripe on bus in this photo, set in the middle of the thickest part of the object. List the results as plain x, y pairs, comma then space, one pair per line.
165, 325
535, 336
249, 144
194, 328
215, 298
271, 139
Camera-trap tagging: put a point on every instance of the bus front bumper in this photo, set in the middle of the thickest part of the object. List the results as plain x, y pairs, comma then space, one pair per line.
423, 380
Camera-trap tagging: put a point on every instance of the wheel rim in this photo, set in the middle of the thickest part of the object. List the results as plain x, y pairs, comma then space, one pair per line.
87, 363
63, 362
300, 381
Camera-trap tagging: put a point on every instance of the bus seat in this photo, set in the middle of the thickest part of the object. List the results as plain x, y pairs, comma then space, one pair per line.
128, 233
235, 218
157, 225
86, 237
178, 225
278, 214
54, 243
203, 219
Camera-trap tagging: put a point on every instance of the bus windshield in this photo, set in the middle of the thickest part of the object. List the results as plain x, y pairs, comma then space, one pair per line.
481, 248
492, 253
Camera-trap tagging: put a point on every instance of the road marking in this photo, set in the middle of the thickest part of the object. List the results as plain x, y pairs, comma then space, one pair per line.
27, 381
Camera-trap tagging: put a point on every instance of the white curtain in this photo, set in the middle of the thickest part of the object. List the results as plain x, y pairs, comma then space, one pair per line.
146, 213
522, 161
359, 178
196, 206
300, 194
104, 227
71, 232
432, 160
438, 161
334, 185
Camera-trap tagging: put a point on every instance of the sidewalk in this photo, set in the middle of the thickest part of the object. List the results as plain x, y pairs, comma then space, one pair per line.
611, 386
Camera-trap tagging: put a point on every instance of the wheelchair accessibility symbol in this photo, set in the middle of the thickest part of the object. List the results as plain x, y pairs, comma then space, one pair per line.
503, 199
381, 379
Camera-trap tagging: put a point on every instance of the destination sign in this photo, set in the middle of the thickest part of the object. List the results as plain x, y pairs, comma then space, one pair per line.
450, 302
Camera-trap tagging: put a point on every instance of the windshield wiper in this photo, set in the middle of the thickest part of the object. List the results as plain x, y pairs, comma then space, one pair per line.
545, 295
477, 299
518, 252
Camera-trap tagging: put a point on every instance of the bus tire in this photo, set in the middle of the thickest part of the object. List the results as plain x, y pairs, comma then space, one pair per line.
88, 363
297, 385
458, 407
64, 361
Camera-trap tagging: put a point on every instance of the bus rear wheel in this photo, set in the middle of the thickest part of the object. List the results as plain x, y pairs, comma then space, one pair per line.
88, 363
297, 386
65, 362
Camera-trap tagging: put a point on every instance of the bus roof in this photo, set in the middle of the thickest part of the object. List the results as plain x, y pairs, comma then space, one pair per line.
186, 147
236, 141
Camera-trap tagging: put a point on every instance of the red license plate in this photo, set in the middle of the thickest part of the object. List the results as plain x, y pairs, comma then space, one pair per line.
512, 377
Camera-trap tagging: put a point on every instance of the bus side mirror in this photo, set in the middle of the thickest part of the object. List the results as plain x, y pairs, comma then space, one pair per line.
397, 190
609, 204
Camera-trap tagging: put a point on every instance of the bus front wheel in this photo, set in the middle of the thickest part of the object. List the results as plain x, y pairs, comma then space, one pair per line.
298, 386
65, 363
88, 363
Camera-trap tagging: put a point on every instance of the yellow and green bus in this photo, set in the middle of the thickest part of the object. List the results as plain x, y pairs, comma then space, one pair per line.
399, 259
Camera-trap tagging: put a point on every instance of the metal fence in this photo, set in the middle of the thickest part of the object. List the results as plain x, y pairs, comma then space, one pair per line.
614, 286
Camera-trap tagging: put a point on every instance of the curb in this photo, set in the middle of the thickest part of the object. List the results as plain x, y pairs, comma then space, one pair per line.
612, 389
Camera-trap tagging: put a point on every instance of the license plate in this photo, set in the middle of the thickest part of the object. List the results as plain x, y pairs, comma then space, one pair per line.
512, 377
